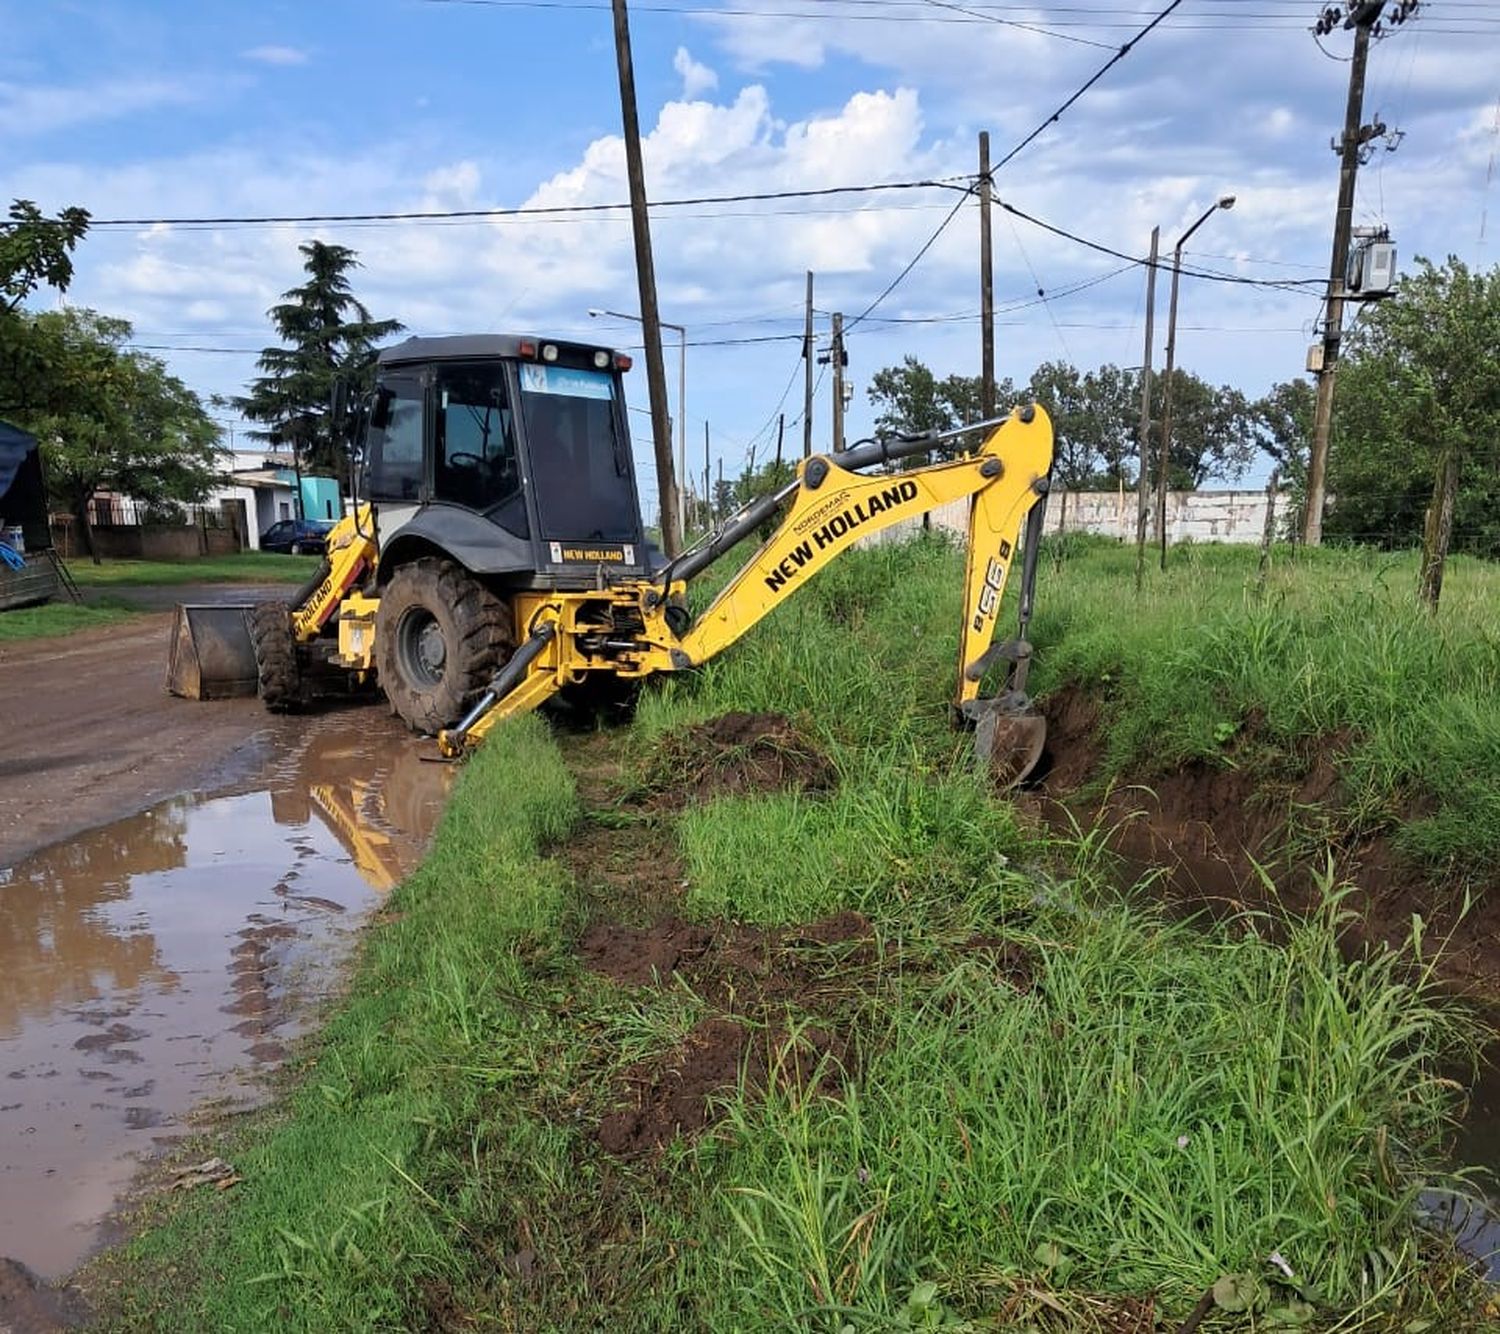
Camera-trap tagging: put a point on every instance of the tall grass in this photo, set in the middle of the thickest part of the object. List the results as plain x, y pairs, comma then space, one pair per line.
1051, 1102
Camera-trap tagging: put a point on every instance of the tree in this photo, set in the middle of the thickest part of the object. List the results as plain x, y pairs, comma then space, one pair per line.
328, 334
113, 418
35, 251
1281, 423
1416, 443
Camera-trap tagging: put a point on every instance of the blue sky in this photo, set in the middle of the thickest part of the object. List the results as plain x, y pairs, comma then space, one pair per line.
210, 109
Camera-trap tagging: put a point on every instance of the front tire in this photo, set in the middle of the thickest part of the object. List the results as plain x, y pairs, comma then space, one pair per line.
279, 676
440, 637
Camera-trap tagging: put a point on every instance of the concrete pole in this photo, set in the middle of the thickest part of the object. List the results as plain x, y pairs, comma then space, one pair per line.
1143, 436
986, 286
807, 377
1333, 327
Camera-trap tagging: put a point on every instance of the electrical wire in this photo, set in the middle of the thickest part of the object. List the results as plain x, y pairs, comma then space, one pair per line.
536, 210
1016, 23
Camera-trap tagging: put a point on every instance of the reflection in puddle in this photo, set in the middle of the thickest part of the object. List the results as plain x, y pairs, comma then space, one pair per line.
152, 963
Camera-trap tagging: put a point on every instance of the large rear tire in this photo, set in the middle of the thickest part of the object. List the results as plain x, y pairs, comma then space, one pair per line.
440, 637
278, 672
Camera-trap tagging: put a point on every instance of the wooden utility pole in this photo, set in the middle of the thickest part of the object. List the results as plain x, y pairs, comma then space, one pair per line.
836, 356
986, 286
1164, 453
656, 375
1143, 433
1268, 533
780, 432
807, 377
708, 495
1363, 17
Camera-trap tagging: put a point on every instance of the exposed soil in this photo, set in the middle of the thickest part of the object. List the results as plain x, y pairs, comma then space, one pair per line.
88, 733
29, 1306
1210, 825
663, 1100
738, 753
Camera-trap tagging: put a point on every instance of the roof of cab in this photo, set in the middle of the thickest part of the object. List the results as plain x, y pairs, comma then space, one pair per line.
459, 346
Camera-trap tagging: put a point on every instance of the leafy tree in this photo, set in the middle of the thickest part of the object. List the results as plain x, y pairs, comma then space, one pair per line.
328, 333
1416, 439
1212, 434
35, 251
1281, 424
113, 418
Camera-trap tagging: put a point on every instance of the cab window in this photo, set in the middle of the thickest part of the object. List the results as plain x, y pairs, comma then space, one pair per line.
474, 444
395, 443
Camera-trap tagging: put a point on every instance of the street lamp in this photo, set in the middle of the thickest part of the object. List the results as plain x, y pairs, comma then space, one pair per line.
681, 333
1224, 202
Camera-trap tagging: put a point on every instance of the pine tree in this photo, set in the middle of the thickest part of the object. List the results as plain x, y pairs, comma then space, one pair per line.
327, 334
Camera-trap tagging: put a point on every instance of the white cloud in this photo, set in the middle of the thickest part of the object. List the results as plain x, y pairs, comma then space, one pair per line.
42, 108
275, 55
696, 78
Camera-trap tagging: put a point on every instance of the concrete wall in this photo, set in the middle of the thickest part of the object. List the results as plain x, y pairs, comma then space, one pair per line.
146, 541
1199, 516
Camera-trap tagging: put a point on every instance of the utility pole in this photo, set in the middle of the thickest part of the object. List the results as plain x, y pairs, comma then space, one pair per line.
986, 286
836, 354
1143, 435
656, 375
807, 377
1362, 17
708, 495
780, 432
1165, 465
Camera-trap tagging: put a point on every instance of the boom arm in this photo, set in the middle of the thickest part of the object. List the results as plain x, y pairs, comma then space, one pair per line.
829, 508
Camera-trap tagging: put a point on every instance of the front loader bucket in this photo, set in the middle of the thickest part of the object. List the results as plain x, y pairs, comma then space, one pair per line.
211, 655
1010, 734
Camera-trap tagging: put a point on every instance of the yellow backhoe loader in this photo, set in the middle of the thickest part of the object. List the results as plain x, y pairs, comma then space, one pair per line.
500, 558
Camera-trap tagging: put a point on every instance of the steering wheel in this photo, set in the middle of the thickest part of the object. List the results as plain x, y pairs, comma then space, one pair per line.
468, 460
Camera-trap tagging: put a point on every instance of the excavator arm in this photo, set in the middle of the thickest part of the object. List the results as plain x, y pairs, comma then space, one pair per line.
830, 506
351, 554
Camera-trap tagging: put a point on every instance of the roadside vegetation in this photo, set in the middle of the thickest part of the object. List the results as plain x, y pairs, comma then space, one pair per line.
249, 567
935, 1068
57, 618
1332, 653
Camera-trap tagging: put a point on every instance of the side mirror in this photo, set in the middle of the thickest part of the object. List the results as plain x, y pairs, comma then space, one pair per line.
380, 409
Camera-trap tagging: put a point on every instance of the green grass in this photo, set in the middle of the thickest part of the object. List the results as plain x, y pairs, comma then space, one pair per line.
1137, 1107
1334, 645
57, 618
255, 567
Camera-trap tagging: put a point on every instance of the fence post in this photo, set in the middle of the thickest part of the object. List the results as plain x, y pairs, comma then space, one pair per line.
1269, 533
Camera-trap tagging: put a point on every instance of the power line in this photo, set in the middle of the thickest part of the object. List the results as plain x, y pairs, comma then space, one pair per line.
535, 210
1015, 23
1087, 84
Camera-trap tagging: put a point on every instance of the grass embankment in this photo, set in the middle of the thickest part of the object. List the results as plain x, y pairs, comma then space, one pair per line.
57, 618
1208, 664
246, 567
1006, 1096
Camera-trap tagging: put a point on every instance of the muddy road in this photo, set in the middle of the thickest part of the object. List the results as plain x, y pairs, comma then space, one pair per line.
89, 734
179, 884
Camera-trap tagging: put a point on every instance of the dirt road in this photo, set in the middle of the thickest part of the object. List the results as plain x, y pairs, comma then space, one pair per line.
89, 734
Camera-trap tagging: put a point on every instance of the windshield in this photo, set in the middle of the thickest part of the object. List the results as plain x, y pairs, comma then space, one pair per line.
581, 467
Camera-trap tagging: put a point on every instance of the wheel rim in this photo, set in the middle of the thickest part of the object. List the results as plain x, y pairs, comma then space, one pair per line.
421, 649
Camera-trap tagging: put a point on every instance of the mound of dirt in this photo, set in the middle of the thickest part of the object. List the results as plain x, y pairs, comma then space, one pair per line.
736, 967
663, 1100
739, 753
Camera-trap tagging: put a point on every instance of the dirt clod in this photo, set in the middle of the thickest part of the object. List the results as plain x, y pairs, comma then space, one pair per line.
679, 1097
739, 753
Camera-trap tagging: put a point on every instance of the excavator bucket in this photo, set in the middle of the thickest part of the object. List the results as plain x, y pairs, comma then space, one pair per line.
211, 654
1010, 733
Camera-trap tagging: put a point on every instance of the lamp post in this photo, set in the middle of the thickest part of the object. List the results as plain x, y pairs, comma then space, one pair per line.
681, 333
1164, 459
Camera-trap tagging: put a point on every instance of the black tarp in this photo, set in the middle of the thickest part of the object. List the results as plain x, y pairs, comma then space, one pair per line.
23, 495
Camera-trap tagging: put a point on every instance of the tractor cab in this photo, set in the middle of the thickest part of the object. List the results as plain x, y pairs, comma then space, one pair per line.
511, 456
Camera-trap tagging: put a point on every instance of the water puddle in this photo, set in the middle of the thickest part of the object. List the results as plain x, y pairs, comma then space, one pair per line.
166, 959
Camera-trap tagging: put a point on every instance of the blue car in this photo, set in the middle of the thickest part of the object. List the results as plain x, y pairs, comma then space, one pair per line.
299, 537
